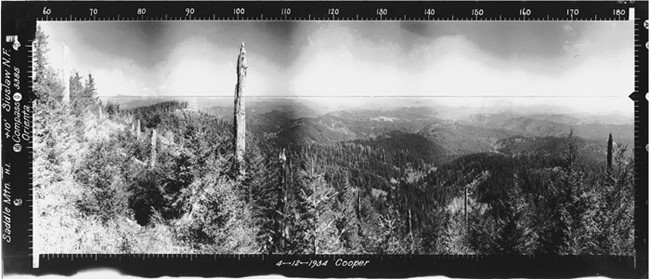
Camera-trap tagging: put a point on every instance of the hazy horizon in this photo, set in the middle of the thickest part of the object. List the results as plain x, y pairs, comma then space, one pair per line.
589, 64
450, 108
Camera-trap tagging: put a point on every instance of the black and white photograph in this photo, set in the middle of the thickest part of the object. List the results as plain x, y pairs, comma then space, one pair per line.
342, 137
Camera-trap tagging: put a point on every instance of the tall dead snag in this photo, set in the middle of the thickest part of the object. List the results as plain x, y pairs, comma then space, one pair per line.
137, 129
410, 225
240, 113
153, 148
66, 73
610, 149
282, 230
465, 208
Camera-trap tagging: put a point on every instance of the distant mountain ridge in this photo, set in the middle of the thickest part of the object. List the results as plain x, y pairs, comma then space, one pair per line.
556, 125
482, 133
296, 122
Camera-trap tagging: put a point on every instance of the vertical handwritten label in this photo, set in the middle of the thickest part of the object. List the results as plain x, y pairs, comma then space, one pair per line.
20, 132
16, 126
6, 200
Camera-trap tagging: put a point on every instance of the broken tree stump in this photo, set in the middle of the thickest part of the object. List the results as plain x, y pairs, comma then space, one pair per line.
240, 113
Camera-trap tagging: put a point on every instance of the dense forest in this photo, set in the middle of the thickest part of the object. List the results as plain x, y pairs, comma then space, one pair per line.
160, 179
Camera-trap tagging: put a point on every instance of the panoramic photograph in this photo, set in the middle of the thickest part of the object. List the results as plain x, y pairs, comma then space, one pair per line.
434, 138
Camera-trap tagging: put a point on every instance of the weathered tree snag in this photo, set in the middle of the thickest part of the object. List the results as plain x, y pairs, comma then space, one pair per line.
137, 129
465, 209
358, 202
280, 234
610, 147
66, 73
240, 113
153, 148
410, 225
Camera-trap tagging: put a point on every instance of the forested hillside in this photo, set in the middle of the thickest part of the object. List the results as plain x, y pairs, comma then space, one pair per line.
159, 178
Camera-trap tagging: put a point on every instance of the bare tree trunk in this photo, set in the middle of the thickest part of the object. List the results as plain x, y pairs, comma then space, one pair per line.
137, 129
411, 239
240, 113
610, 149
466, 202
359, 202
280, 234
153, 148
316, 215
66, 73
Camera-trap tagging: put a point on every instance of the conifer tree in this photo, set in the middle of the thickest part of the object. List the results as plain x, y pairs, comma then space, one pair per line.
90, 92
318, 198
76, 87
46, 86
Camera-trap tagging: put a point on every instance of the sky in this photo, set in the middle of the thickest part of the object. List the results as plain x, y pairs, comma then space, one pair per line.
341, 59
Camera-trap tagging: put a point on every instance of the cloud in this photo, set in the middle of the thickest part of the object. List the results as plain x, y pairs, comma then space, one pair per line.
357, 59
340, 63
105, 79
198, 67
